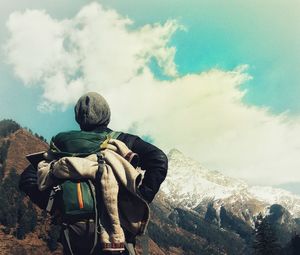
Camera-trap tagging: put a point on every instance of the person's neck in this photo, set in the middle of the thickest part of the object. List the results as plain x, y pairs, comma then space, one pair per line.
101, 129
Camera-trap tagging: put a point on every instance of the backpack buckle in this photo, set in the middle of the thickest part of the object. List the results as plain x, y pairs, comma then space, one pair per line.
100, 158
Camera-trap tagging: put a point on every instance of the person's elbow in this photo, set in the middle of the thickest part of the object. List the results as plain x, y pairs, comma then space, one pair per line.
162, 158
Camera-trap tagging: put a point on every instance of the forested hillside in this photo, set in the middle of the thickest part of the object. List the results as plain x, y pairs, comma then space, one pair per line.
23, 227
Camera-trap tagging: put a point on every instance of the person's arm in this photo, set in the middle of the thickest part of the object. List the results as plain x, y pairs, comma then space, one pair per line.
152, 160
28, 184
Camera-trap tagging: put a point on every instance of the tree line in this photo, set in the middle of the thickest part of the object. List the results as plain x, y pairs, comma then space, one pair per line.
266, 240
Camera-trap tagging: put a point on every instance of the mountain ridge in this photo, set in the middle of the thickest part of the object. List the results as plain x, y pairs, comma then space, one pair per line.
188, 184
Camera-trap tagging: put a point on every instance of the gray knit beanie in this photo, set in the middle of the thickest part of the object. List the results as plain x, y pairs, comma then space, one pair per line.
92, 111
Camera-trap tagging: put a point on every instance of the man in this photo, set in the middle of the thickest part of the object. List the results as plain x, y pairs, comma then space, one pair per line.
92, 113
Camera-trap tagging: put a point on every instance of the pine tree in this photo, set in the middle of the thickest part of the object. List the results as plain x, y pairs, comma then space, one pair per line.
33, 217
3, 155
10, 200
295, 243
211, 213
15, 215
53, 235
266, 242
7, 127
20, 232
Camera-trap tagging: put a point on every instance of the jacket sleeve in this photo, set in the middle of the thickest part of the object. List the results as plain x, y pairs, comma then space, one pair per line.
28, 184
152, 160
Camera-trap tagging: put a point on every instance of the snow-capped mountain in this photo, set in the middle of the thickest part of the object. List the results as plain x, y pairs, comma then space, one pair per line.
188, 184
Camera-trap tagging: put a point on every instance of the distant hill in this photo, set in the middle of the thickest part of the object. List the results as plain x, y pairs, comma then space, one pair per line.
22, 143
15, 143
22, 225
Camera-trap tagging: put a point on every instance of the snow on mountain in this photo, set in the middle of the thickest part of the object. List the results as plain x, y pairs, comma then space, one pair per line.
272, 195
188, 184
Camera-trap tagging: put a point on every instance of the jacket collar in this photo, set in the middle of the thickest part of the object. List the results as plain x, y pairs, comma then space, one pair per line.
101, 129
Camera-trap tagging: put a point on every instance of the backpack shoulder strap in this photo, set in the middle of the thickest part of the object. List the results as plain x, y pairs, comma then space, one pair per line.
110, 135
114, 134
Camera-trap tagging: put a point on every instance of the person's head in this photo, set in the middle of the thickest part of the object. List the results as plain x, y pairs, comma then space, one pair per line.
92, 111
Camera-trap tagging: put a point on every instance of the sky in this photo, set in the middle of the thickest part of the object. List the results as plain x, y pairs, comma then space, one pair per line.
217, 80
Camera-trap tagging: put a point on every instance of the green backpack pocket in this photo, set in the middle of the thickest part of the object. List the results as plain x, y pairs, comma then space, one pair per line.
76, 200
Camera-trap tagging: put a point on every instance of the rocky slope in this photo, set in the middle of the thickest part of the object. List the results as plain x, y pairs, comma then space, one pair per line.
21, 143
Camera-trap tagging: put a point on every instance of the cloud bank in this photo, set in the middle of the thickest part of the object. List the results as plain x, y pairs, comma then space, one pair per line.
202, 114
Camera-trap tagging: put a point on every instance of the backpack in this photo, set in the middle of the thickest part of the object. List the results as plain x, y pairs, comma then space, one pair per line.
72, 201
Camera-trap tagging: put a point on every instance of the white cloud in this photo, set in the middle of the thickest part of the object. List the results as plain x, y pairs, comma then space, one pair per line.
202, 114
35, 46
94, 50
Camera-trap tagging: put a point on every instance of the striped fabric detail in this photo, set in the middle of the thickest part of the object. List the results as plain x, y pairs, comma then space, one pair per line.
129, 156
79, 195
113, 246
143, 226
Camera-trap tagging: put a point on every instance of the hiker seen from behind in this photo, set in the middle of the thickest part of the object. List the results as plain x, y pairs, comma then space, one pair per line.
91, 182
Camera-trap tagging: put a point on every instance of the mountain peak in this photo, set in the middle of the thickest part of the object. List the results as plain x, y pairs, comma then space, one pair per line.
175, 153
21, 143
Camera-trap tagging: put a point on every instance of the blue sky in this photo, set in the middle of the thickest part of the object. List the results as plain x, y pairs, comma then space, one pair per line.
225, 34
221, 35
